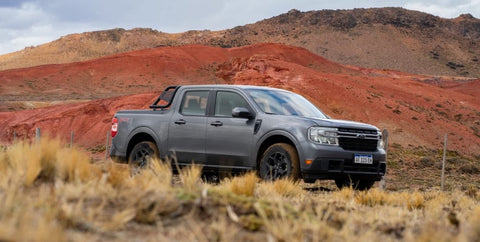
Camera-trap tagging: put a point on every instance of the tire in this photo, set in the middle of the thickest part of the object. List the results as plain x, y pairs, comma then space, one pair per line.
210, 177
361, 185
278, 161
310, 181
141, 155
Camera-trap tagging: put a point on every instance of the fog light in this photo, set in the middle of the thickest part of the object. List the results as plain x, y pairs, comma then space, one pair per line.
308, 162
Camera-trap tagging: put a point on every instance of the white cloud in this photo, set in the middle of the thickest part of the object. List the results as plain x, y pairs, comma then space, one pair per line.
25, 16
18, 23
28, 25
446, 8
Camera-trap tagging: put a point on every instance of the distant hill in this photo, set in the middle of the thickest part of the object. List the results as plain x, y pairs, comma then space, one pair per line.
382, 38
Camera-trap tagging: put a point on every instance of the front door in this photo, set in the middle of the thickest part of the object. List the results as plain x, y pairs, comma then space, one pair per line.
229, 140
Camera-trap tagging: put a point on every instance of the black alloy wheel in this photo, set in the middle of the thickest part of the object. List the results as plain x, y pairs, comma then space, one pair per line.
279, 161
141, 155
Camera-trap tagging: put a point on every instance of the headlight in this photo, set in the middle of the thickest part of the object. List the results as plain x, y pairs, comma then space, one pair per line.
380, 144
323, 135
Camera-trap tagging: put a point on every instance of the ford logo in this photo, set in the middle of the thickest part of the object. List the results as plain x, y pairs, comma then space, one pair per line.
361, 136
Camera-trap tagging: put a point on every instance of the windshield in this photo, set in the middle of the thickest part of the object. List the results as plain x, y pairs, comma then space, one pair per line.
284, 103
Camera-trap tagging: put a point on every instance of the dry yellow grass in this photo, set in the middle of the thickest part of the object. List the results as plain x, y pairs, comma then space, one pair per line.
281, 187
49, 192
375, 197
244, 185
190, 177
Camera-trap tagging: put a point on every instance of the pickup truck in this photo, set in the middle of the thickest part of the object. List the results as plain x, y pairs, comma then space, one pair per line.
238, 128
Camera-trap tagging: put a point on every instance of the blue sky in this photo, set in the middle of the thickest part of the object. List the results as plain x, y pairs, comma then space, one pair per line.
32, 22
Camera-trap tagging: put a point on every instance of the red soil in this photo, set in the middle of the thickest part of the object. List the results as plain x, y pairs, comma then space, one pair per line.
416, 113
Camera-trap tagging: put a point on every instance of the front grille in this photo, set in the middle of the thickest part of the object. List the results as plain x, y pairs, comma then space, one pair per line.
358, 139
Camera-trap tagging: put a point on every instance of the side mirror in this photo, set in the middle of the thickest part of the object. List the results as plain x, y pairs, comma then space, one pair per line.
239, 112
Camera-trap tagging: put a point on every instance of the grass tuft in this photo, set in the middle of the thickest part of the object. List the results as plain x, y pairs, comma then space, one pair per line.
345, 194
244, 185
473, 228
190, 177
372, 197
282, 187
74, 165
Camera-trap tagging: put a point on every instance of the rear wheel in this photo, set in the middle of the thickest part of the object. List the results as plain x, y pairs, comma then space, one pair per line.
279, 161
356, 184
141, 155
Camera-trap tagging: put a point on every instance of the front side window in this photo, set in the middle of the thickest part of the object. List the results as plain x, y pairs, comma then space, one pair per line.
227, 101
194, 103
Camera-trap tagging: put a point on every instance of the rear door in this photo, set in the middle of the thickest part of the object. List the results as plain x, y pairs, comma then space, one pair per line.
228, 139
187, 128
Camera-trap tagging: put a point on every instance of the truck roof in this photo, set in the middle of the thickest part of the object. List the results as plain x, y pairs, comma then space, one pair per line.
243, 87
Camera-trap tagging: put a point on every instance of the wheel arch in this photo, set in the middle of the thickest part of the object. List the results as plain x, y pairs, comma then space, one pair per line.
142, 134
273, 138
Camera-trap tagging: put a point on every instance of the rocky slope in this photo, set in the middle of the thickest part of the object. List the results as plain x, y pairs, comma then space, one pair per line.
383, 38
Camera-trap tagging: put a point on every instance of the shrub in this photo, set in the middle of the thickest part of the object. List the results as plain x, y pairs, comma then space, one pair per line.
469, 168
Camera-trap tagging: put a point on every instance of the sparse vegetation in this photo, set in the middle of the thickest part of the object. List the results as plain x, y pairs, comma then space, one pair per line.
375, 94
49, 192
397, 110
454, 65
476, 130
420, 167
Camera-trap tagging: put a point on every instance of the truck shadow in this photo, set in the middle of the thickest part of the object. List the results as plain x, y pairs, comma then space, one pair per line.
317, 189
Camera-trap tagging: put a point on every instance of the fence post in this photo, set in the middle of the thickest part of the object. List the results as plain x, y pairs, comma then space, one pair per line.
71, 139
107, 144
14, 136
443, 161
37, 135
383, 182
385, 139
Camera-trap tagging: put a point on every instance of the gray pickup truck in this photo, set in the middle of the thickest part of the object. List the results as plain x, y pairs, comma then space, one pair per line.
239, 128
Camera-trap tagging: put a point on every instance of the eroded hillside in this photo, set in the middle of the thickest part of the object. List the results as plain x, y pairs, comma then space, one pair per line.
418, 110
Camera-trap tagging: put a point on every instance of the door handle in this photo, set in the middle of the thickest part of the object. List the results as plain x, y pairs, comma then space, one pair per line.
216, 123
180, 121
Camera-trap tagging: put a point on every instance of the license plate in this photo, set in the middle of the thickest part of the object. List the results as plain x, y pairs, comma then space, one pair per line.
363, 159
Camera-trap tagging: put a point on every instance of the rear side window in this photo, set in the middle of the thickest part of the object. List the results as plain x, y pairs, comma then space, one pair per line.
194, 103
226, 101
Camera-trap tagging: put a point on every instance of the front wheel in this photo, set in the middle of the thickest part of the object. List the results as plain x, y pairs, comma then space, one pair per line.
141, 155
279, 161
356, 184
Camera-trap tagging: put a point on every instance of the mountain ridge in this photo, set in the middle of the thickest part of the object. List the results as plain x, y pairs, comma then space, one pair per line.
381, 38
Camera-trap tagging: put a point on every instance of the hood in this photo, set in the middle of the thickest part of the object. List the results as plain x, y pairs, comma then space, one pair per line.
336, 123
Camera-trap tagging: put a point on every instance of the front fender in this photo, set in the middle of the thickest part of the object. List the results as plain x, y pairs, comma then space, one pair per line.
284, 133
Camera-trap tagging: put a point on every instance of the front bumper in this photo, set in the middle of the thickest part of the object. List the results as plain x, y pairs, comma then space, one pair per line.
333, 162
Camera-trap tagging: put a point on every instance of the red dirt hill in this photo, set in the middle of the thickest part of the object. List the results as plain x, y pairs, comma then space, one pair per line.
417, 110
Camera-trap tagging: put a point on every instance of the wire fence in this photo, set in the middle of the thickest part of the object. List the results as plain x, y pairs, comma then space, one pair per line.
385, 137
38, 137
